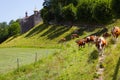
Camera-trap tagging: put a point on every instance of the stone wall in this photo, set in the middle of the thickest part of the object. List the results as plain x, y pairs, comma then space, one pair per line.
29, 22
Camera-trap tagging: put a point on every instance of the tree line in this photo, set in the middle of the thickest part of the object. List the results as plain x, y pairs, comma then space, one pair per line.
8, 30
98, 11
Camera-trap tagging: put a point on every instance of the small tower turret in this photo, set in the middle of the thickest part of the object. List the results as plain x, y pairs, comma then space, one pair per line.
35, 11
26, 14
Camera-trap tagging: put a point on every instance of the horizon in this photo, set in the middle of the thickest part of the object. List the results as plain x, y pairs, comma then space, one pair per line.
16, 9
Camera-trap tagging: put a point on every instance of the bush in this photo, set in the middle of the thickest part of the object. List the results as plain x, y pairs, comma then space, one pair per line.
102, 13
46, 15
57, 14
69, 12
115, 5
84, 11
3, 34
14, 29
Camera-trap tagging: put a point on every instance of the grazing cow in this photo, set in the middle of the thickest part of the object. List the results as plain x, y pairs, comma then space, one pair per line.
115, 32
91, 38
74, 36
81, 42
106, 35
62, 40
100, 44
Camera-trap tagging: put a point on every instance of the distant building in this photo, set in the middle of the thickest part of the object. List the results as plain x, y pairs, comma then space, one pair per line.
29, 22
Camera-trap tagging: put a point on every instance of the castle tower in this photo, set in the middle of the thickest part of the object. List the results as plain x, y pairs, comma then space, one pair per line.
35, 11
26, 14
37, 17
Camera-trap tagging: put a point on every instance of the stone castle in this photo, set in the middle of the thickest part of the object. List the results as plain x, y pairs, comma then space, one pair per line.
29, 22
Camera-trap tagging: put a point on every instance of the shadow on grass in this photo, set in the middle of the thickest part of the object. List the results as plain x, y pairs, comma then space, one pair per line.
55, 31
37, 30
12, 38
116, 70
93, 56
100, 32
79, 32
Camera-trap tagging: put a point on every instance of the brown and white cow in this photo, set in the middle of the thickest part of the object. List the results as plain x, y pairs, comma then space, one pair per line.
91, 39
74, 36
62, 40
115, 32
81, 42
100, 44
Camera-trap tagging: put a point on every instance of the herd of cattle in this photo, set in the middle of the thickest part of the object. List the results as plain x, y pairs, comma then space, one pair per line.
99, 41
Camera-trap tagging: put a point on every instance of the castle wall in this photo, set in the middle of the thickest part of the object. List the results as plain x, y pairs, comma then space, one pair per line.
29, 22
37, 18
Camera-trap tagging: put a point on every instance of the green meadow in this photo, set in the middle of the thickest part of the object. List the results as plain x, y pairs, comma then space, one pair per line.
9, 56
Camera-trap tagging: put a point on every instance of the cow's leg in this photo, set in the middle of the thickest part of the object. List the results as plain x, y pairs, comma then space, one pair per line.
113, 37
84, 45
116, 37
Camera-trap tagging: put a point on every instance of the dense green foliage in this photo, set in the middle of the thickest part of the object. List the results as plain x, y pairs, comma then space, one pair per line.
3, 31
69, 12
102, 12
46, 15
84, 11
8, 30
98, 11
115, 5
14, 29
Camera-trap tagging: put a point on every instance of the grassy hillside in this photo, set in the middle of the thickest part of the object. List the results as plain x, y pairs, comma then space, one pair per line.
70, 63
39, 36
47, 36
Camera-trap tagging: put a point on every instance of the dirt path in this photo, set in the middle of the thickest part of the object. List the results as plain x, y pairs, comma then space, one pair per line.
100, 68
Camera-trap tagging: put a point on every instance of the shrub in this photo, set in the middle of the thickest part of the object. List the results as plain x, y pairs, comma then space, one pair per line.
46, 15
84, 11
115, 5
102, 13
69, 12
58, 14
14, 29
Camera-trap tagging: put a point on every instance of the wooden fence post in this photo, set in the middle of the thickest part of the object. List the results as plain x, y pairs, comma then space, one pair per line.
18, 66
35, 58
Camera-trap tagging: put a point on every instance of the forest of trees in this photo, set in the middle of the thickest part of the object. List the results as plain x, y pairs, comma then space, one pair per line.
98, 11
8, 30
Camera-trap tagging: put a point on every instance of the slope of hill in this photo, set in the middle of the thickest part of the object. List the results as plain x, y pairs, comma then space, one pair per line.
70, 63
39, 36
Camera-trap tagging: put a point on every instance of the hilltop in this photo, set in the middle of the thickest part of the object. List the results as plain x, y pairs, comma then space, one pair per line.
69, 63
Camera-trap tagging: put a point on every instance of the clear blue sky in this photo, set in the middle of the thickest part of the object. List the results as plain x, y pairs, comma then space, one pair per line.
14, 9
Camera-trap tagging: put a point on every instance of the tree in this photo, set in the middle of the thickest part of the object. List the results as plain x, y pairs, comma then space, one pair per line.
3, 31
46, 3
14, 29
46, 15
69, 12
12, 21
102, 13
84, 11
115, 5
